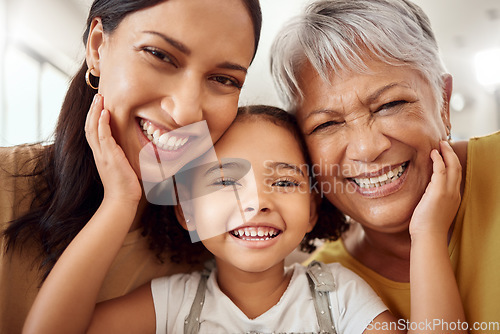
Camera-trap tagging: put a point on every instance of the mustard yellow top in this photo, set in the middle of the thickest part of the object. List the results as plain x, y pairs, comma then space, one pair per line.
474, 246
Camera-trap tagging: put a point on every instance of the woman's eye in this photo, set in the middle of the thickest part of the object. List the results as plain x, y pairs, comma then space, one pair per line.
391, 105
226, 81
326, 125
163, 56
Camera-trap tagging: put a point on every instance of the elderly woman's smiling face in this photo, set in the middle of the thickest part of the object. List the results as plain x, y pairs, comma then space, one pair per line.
370, 136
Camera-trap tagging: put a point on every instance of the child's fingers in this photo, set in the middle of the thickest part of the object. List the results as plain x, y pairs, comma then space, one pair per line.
453, 167
106, 139
438, 170
91, 123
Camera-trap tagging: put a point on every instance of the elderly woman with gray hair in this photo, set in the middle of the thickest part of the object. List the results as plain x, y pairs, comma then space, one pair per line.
366, 82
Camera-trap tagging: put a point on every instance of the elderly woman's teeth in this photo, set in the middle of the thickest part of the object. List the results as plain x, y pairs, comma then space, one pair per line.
164, 141
379, 181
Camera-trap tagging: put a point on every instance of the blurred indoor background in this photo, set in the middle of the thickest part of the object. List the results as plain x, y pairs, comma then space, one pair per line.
41, 48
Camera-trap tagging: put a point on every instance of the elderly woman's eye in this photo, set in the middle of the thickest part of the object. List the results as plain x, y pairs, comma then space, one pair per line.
391, 105
325, 126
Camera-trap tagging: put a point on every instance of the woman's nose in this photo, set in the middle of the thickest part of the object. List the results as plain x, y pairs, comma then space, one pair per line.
366, 142
184, 103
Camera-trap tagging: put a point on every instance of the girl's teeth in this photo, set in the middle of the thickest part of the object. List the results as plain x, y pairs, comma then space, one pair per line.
255, 233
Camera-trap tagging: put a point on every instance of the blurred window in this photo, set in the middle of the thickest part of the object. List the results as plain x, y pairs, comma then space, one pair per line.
34, 90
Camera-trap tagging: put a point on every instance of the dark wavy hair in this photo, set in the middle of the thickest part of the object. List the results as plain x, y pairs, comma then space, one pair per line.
68, 189
331, 222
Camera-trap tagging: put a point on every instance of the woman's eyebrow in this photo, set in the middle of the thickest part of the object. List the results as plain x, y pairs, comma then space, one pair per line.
232, 66
370, 99
375, 95
176, 44
184, 49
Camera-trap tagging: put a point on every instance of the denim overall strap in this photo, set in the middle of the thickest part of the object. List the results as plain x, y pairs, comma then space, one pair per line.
321, 282
192, 321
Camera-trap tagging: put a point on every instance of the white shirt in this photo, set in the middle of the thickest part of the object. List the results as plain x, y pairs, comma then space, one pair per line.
354, 305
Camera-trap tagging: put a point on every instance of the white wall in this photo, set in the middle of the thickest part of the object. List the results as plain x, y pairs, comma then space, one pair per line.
53, 28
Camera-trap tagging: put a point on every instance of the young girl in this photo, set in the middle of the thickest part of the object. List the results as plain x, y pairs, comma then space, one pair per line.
251, 290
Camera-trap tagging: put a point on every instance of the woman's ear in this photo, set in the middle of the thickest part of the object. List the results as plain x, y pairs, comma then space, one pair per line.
447, 91
94, 42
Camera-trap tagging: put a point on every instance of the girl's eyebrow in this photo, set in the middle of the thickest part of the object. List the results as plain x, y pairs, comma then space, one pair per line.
285, 165
218, 167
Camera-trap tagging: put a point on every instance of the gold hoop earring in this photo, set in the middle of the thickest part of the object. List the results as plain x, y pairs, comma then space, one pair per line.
87, 79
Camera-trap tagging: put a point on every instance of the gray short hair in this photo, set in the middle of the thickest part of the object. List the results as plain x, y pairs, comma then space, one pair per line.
336, 35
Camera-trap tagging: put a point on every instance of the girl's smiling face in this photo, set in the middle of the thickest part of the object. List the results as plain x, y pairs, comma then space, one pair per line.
171, 65
262, 217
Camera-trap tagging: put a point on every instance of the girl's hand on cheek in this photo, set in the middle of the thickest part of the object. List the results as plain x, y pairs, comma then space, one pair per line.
439, 204
119, 179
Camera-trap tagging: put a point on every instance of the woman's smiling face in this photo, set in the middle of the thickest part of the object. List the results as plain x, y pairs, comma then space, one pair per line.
171, 65
370, 136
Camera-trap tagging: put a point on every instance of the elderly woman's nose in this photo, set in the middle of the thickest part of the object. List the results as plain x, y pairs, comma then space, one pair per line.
365, 143
184, 103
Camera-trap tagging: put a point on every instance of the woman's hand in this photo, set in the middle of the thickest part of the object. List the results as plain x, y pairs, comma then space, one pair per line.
118, 178
439, 204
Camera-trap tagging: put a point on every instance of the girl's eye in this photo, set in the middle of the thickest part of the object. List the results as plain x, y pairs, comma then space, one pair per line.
226, 81
225, 182
286, 185
161, 55
325, 126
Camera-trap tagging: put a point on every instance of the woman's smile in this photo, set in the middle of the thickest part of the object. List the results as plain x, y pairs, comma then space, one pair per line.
381, 183
162, 138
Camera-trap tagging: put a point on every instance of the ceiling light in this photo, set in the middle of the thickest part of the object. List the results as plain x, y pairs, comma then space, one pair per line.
487, 65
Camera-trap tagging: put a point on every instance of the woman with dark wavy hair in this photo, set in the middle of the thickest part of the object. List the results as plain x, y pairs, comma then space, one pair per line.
156, 67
